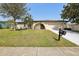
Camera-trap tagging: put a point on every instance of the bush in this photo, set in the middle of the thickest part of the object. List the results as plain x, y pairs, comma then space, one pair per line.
0, 26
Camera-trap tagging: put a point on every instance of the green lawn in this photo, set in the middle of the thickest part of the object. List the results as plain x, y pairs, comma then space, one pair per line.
31, 38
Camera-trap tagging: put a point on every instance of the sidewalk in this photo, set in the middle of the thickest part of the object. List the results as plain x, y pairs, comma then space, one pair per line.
71, 36
39, 51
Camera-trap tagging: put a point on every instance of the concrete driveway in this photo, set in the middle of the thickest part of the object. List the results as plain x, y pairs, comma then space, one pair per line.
71, 36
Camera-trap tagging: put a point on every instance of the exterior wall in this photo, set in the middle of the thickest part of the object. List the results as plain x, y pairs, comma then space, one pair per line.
21, 26
57, 24
75, 27
36, 24
37, 27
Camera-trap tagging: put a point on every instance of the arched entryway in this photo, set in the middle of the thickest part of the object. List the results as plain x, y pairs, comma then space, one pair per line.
42, 26
39, 26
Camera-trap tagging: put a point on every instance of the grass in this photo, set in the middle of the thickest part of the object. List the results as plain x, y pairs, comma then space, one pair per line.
32, 38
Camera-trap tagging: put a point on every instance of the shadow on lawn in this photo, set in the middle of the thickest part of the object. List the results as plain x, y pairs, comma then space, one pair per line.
18, 29
56, 39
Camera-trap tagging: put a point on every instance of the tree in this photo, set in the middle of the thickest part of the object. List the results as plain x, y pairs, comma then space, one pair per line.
27, 19
10, 23
70, 12
29, 22
0, 26
14, 10
24, 20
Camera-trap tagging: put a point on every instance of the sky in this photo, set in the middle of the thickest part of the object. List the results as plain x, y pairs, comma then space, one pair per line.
44, 11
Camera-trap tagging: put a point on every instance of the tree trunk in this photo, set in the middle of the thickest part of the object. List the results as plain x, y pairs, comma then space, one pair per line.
14, 25
24, 25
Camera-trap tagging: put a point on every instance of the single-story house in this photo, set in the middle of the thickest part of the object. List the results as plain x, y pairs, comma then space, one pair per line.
40, 24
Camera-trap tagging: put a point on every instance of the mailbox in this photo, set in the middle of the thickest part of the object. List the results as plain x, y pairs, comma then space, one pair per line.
61, 32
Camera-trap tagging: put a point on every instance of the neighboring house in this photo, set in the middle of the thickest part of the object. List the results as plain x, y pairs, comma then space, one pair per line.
73, 26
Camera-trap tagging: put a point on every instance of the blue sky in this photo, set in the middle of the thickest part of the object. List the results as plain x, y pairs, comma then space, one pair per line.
44, 11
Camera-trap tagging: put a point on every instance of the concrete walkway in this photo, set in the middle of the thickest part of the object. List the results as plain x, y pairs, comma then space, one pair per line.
71, 36
39, 51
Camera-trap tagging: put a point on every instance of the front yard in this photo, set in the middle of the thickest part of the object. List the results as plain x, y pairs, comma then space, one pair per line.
31, 38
